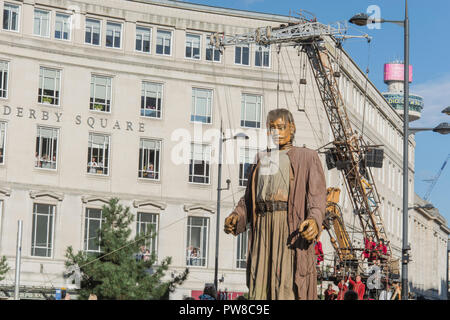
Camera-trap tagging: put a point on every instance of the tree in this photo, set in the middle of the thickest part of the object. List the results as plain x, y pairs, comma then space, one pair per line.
4, 268
116, 272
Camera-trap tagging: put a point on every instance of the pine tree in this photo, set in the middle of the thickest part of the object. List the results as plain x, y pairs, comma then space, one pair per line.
4, 268
116, 273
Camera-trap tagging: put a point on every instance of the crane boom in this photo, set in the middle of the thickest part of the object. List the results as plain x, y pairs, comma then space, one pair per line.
435, 179
349, 148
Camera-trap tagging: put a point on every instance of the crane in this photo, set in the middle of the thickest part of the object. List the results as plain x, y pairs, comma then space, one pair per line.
435, 179
349, 154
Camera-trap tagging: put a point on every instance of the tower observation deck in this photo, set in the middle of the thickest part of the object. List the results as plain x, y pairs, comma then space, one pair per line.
393, 77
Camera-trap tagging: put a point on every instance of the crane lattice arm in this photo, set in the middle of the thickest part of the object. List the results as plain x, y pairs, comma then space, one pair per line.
435, 179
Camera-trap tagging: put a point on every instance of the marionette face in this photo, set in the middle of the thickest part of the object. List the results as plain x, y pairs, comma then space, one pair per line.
281, 132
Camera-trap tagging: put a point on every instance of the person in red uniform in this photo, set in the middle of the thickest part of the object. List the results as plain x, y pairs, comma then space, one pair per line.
369, 247
342, 289
382, 250
358, 286
319, 252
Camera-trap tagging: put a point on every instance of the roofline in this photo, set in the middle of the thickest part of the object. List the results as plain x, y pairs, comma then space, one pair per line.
219, 10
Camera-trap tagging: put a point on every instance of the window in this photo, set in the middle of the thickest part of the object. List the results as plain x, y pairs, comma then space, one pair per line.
262, 56
197, 241
100, 93
41, 23
212, 53
46, 148
143, 39
113, 34
42, 231
251, 111
92, 225
199, 164
242, 54
147, 224
163, 42
4, 68
201, 105
92, 32
192, 46
49, 86
98, 154
246, 159
11, 14
242, 244
151, 99
2, 142
62, 26
149, 156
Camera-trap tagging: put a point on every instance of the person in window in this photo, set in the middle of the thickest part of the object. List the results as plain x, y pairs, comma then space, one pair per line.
189, 255
54, 162
37, 162
46, 162
194, 257
100, 167
147, 255
140, 254
93, 165
150, 171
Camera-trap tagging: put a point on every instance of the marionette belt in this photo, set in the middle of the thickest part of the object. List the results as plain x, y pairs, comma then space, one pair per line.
271, 206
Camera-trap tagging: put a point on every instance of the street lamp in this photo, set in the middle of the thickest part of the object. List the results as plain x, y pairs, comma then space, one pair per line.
443, 128
219, 189
428, 206
363, 19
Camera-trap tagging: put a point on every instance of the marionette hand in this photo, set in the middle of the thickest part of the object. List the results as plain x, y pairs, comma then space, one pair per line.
231, 224
308, 229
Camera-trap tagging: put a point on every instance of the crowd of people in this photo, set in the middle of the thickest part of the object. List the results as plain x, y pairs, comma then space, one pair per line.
349, 289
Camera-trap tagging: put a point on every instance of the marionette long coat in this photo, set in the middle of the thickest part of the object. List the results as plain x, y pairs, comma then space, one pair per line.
307, 199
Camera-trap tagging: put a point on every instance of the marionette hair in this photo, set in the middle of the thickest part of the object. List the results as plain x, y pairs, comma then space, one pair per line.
284, 114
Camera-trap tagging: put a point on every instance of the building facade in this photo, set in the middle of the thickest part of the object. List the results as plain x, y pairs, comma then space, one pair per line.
428, 238
124, 100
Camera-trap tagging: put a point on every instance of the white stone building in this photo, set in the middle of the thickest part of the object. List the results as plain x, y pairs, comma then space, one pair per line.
428, 238
95, 100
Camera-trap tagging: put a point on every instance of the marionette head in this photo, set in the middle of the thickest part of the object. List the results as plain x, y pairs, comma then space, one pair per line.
281, 127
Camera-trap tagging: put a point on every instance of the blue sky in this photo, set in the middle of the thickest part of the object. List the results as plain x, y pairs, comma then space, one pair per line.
428, 55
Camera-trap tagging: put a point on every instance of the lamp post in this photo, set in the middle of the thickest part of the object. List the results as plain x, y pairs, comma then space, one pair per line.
428, 206
443, 128
219, 189
363, 19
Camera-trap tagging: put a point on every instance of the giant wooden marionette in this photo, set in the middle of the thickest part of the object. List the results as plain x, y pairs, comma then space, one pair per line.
283, 206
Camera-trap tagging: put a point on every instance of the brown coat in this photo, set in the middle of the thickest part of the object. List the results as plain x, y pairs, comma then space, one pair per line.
307, 199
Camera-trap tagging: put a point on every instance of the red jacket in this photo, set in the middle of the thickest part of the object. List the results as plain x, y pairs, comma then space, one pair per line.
369, 246
358, 287
319, 251
342, 290
382, 248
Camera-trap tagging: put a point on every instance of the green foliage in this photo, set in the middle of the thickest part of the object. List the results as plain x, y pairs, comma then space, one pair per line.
115, 273
4, 268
